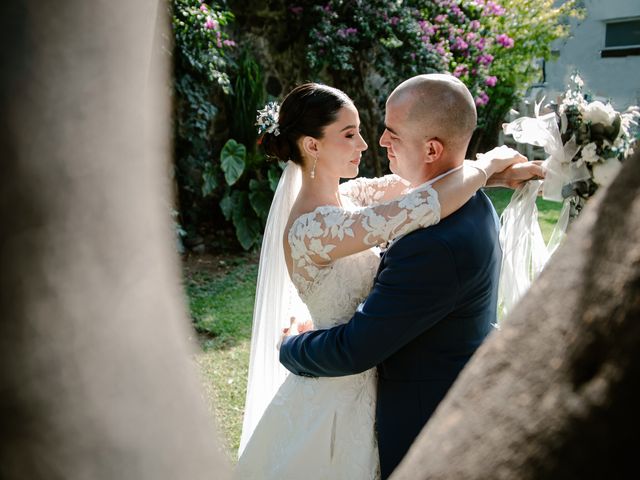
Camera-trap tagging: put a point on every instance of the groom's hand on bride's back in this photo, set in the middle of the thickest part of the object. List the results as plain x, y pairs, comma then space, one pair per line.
294, 328
517, 174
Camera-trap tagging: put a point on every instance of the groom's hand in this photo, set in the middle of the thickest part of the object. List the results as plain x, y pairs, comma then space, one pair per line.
517, 174
294, 328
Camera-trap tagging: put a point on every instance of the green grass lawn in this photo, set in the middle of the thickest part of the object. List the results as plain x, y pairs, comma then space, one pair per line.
221, 305
221, 302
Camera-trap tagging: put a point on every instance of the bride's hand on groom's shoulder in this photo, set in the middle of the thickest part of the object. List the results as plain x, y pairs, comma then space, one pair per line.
499, 159
517, 174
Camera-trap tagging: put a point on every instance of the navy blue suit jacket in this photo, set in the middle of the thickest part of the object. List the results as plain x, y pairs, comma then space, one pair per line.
432, 304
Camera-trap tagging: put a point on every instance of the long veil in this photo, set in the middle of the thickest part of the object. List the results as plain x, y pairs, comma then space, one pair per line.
276, 301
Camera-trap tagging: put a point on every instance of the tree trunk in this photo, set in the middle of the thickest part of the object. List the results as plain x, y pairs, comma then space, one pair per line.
95, 369
554, 394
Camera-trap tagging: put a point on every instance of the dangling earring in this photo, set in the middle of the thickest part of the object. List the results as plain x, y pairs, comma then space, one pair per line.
313, 170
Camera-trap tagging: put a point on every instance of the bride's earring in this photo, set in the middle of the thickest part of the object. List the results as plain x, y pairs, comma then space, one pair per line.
313, 170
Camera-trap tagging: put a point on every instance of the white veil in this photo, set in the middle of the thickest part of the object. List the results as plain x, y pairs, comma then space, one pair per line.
276, 301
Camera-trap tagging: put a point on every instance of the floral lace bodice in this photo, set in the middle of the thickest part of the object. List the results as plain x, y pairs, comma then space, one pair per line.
334, 261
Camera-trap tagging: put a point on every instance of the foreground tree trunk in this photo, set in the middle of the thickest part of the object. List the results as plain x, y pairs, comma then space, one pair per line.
553, 395
96, 379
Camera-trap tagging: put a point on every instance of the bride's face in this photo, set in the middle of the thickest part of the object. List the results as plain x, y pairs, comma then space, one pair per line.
341, 147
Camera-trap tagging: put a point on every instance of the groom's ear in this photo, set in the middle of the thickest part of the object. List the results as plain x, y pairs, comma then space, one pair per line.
433, 149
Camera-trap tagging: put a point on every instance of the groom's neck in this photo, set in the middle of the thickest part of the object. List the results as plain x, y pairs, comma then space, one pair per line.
435, 169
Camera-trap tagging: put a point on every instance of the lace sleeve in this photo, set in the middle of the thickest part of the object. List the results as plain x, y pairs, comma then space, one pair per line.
364, 191
320, 237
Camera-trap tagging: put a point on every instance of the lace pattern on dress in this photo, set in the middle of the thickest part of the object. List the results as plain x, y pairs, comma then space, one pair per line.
364, 191
320, 237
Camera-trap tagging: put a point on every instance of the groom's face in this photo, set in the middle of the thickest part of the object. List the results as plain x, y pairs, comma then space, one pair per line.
405, 146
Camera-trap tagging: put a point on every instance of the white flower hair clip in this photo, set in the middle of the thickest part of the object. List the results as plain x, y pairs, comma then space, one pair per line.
267, 119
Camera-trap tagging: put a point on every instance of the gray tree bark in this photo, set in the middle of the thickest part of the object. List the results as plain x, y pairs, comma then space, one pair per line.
553, 394
96, 379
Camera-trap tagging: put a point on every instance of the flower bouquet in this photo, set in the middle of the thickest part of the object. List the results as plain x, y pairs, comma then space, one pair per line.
586, 143
604, 136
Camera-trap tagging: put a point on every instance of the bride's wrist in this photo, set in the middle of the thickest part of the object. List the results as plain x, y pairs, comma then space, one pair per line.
483, 169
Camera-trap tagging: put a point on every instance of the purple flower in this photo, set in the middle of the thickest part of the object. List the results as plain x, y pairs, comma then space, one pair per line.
491, 81
475, 24
440, 49
441, 19
203, 7
427, 28
495, 9
394, 20
229, 43
460, 44
505, 40
346, 32
296, 10
211, 24
485, 59
482, 99
460, 70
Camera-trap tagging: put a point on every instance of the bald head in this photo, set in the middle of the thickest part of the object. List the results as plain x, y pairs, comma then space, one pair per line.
441, 106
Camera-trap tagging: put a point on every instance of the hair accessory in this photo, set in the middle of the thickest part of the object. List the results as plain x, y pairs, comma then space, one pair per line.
267, 119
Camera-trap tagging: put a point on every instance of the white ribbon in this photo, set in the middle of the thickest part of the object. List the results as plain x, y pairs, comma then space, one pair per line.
524, 253
542, 131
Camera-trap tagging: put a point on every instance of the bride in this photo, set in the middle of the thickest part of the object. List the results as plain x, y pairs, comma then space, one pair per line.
318, 261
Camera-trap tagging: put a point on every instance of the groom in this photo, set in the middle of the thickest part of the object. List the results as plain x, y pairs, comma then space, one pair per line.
435, 293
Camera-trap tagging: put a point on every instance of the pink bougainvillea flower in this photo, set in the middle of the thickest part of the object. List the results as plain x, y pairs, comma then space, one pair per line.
296, 10
460, 44
482, 99
505, 40
211, 24
495, 9
491, 81
460, 70
485, 59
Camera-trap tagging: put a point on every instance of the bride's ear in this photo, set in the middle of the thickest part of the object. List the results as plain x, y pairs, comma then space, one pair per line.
310, 146
433, 149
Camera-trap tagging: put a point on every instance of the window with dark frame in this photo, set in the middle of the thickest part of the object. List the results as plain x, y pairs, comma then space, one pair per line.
622, 38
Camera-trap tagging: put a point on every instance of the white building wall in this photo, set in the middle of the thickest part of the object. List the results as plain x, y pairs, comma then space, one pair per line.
614, 78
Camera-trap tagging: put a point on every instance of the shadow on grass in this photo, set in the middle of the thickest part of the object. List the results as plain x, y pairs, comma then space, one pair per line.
221, 301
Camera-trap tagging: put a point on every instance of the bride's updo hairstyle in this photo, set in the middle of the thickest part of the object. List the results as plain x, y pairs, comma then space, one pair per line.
305, 111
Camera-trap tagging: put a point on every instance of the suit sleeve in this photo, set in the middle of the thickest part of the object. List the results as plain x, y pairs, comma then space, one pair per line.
416, 288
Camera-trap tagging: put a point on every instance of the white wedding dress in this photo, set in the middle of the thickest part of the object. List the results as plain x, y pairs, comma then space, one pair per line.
323, 428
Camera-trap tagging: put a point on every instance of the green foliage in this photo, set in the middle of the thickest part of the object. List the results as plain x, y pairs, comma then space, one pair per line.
363, 47
232, 160
248, 175
533, 25
201, 76
367, 48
